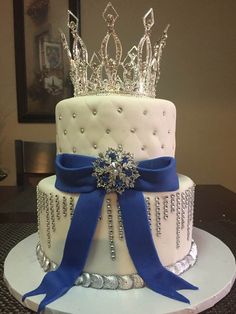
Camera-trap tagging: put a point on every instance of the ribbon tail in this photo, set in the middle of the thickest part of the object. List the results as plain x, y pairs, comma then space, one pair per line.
39, 290
142, 249
49, 298
167, 284
83, 225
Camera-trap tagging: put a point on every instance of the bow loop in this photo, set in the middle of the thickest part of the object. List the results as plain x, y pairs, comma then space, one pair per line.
157, 174
74, 173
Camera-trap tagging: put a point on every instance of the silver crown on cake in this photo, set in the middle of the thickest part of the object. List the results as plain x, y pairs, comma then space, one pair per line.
136, 74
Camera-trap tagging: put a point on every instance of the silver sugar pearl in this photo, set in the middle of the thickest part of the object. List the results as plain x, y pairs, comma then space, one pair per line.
74, 115
74, 150
132, 130
119, 109
79, 281
94, 112
95, 146
82, 130
120, 146
108, 131
60, 117
65, 132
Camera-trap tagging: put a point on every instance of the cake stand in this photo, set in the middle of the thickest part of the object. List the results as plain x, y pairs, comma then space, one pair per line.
214, 274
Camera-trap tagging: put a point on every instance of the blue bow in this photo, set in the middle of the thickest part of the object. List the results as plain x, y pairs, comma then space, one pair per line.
74, 175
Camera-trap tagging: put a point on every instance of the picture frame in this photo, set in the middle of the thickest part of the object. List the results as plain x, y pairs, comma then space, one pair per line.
42, 68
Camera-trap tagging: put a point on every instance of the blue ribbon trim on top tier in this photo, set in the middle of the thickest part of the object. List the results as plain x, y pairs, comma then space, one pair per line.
75, 174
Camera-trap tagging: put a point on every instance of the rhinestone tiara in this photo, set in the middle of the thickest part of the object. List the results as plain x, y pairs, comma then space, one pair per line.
136, 74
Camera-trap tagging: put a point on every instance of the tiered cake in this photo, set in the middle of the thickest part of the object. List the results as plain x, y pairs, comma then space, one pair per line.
116, 212
89, 125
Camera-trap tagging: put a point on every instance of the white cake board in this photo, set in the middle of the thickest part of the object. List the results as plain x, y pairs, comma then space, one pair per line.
214, 274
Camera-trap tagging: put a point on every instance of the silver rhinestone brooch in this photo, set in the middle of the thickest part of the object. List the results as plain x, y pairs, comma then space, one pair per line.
115, 170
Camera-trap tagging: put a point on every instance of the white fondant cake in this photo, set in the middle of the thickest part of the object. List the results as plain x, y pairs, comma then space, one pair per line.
88, 125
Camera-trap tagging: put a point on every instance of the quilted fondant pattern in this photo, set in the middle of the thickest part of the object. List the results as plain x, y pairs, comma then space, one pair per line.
88, 125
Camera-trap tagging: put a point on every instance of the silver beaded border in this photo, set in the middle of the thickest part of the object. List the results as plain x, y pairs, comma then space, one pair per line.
118, 282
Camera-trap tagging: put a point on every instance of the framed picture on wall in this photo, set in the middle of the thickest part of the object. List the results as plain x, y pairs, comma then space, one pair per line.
42, 69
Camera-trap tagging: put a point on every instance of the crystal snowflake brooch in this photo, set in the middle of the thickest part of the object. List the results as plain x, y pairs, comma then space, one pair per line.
115, 170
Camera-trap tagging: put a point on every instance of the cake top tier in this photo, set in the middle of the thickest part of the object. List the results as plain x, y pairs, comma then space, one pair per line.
110, 73
89, 125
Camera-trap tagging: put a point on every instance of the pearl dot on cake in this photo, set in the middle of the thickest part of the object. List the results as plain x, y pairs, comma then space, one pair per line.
64, 206
120, 222
38, 205
46, 207
95, 146
74, 150
58, 214
148, 205
158, 216
119, 109
60, 117
65, 132
82, 130
71, 207
132, 130
51, 207
183, 207
74, 115
165, 205
178, 220
94, 112
108, 131
172, 206
110, 229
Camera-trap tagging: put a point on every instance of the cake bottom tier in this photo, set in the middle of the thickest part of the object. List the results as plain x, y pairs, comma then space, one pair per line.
170, 216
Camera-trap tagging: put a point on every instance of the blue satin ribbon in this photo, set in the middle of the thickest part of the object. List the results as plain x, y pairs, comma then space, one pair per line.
74, 175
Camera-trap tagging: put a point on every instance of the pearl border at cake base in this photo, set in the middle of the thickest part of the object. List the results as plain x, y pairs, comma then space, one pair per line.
214, 258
